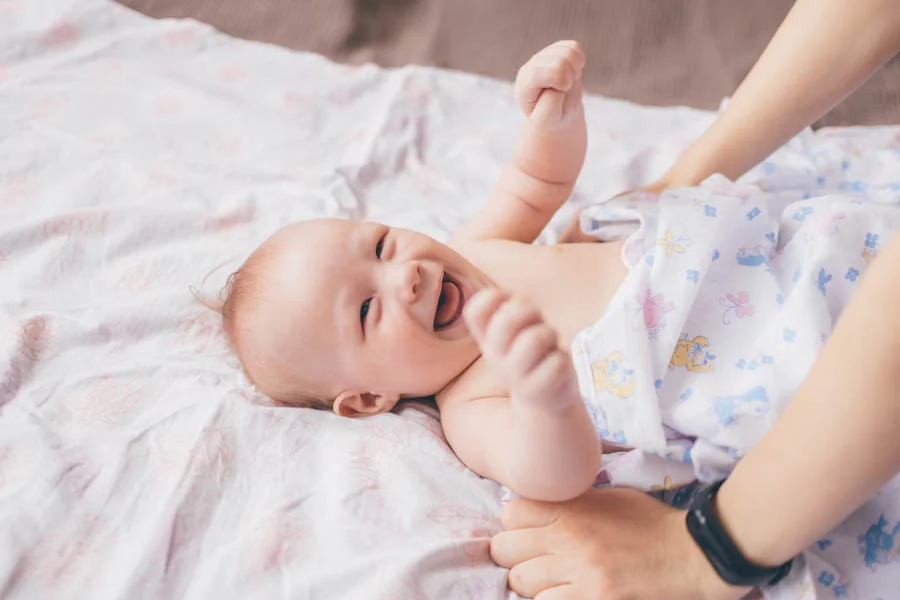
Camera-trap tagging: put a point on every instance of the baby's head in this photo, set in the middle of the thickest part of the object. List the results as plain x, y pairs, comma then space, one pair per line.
351, 316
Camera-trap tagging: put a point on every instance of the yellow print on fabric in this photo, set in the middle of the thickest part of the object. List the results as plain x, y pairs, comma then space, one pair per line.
613, 375
673, 244
693, 356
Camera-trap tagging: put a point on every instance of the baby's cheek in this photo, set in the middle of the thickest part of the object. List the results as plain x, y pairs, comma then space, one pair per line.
422, 354
398, 343
411, 352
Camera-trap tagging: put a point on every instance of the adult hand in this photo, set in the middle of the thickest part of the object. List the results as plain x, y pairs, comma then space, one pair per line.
607, 544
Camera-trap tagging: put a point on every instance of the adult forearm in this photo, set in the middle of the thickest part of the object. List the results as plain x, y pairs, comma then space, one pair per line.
823, 50
790, 490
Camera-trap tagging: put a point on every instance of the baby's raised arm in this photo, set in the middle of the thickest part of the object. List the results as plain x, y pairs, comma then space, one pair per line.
548, 154
540, 440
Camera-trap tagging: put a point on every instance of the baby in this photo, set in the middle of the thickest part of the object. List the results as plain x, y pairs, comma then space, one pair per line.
354, 317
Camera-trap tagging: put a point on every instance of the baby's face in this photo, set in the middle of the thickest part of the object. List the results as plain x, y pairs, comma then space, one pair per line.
368, 308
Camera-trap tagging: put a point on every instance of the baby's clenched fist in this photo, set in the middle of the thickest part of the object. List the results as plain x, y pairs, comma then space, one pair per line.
517, 342
548, 86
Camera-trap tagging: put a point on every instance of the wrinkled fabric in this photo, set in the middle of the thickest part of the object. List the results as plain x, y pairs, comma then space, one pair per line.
140, 158
732, 291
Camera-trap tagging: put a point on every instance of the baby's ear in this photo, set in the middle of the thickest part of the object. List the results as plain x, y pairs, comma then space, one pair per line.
351, 403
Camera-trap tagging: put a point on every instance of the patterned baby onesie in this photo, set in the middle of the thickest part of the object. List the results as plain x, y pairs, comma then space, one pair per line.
731, 293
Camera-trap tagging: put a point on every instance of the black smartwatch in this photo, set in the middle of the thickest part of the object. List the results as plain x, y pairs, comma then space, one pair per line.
722, 553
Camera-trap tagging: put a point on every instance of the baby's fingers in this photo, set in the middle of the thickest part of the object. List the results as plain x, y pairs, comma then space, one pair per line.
540, 75
550, 72
570, 50
512, 318
566, 57
557, 67
531, 347
554, 376
479, 310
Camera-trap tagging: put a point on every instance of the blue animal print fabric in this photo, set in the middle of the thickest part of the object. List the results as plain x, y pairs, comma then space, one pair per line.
732, 292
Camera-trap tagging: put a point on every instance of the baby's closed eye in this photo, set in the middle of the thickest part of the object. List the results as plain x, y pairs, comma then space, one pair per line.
363, 311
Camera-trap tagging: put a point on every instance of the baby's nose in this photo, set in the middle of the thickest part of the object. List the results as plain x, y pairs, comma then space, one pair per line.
410, 281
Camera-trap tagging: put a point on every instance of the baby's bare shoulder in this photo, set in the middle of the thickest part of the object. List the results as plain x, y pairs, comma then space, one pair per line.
475, 383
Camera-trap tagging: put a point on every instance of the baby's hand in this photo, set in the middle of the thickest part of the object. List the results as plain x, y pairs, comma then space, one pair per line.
548, 86
518, 343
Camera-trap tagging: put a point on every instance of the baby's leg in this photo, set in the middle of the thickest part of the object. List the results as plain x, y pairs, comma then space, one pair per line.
791, 488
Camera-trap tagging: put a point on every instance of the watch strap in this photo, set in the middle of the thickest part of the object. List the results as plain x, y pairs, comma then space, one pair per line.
720, 550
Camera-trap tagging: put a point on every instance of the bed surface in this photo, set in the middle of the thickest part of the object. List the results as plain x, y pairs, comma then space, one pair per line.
140, 157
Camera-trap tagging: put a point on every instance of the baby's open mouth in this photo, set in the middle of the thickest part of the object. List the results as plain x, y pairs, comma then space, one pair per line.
449, 305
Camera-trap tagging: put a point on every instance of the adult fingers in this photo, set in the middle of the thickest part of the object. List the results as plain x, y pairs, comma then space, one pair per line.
509, 548
566, 591
532, 577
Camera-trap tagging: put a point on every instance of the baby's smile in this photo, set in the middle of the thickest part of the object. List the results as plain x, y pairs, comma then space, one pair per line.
449, 306
342, 304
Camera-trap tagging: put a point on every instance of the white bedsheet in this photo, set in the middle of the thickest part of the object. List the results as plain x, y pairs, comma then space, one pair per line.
140, 157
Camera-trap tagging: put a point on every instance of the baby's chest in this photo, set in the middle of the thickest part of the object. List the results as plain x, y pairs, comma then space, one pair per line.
570, 284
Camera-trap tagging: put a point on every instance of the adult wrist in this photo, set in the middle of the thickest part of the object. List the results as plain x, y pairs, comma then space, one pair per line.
723, 148
722, 552
763, 543
701, 582
685, 173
